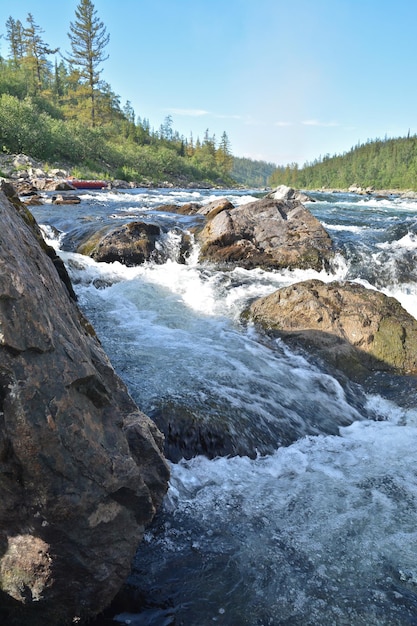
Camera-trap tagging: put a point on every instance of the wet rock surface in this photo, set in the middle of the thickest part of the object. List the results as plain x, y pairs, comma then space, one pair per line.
81, 468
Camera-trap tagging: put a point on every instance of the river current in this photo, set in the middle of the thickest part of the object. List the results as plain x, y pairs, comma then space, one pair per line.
315, 524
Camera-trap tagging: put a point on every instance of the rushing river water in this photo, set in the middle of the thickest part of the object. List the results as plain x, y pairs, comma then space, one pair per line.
315, 522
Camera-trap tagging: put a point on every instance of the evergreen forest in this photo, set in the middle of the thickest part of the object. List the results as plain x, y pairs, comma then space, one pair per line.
389, 164
60, 110
252, 174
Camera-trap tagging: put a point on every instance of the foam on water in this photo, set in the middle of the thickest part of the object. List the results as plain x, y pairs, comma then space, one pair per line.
344, 227
400, 204
84, 271
321, 532
408, 242
174, 334
150, 199
144, 197
52, 237
199, 287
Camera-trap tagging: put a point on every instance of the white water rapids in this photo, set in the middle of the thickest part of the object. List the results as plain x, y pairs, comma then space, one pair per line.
316, 529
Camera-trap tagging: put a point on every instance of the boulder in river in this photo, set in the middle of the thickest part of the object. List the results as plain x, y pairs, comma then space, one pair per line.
66, 199
267, 233
358, 330
81, 468
130, 244
189, 208
282, 192
134, 243
212, 209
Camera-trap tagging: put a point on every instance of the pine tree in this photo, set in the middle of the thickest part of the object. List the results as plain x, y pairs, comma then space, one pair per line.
59, 80
14, 36
165, 130
209, 143
89, 38
36, 51
224, 155
129, 112
190, 149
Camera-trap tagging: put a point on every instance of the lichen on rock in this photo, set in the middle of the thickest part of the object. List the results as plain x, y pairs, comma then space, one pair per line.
358, 330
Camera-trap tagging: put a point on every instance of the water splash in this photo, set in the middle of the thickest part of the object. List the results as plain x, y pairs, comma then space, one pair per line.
319, 531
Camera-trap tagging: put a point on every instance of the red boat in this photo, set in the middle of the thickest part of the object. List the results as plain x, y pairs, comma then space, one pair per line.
88, 184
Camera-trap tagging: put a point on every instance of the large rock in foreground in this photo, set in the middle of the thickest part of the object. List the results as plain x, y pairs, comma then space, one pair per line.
81, 469
358, 330
267, 233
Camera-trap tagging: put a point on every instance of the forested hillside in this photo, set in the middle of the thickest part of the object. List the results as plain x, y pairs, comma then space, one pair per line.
62, 111
381, 164
251, 173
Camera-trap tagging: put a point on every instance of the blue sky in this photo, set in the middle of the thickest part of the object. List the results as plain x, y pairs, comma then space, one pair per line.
288, 81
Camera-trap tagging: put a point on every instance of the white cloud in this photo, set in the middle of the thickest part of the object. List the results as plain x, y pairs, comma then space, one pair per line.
189, 112
318, 123
203, 112
283, 124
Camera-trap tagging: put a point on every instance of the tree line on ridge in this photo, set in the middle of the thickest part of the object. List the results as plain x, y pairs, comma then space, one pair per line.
381, 164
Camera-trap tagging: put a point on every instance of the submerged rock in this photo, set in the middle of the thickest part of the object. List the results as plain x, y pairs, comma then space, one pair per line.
66, 199
214, 429
81, 469
357, 330
33, 200
266, 233
190, 208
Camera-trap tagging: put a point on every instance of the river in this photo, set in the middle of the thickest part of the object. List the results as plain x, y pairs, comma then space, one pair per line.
313, 522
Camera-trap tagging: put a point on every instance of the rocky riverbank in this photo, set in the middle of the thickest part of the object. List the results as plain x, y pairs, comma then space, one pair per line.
81, 467
30, 176
371, 191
